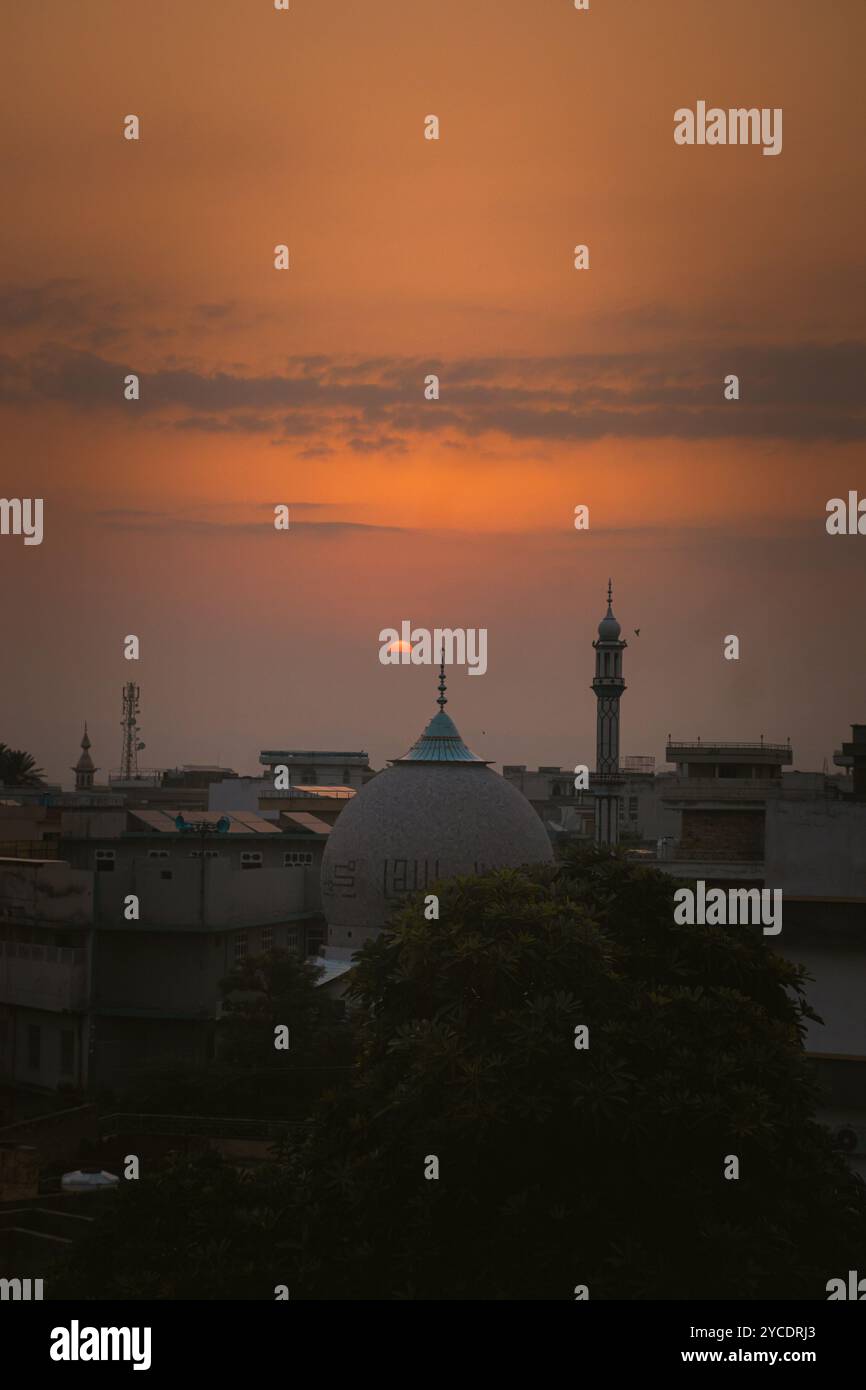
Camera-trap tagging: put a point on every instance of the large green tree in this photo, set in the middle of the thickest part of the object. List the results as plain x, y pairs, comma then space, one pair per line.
562, 1166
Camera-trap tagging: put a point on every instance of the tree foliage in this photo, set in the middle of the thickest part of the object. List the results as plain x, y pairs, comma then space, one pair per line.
18, 768
194, 1229
558, 1166
266, 991
251, 1078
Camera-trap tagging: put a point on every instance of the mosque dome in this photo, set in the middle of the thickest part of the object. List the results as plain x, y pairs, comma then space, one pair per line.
437, 812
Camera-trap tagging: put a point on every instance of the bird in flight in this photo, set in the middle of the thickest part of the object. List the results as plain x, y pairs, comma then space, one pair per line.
637, 632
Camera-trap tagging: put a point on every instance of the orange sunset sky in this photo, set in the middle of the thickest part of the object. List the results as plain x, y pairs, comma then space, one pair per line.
409, 257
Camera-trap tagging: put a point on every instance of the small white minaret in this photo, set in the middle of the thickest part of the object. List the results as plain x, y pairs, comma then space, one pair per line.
608, 686
84, 769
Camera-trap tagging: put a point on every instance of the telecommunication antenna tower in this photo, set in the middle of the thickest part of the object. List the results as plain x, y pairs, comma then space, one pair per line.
129, 724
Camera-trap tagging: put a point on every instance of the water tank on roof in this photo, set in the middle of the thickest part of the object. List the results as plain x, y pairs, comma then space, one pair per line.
88, 1180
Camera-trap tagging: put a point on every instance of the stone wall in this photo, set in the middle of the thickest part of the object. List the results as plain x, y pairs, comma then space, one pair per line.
722, 835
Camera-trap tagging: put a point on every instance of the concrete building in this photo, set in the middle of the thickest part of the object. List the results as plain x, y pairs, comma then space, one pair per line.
721, 792
642, 816
746, 822
565, 812
110, 959
319, 767
29, 831
852, 757
259, 795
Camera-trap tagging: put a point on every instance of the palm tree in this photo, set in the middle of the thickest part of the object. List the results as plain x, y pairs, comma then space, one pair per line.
18, 769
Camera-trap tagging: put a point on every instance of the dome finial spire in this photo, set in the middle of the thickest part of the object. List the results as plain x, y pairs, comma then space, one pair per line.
441, 701
609, 629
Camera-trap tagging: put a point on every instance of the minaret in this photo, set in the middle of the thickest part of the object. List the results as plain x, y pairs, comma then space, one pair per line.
84, 769
608, 686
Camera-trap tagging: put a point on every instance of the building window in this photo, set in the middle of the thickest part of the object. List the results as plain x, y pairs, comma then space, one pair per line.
34, 1046
267, 938
251, 859
105, 861
292, 940
166, 873
157, 854
67, 1052
297, 858
240, 945
208, 854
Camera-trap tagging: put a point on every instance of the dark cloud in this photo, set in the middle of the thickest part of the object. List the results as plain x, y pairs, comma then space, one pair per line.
215, 311
380, 445
143, 519
230, 424
807, 392
320, 451
56, 304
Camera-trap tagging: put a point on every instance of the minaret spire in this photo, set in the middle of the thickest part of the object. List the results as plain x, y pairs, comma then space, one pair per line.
441, 741
84, 769
442, 702
608, 686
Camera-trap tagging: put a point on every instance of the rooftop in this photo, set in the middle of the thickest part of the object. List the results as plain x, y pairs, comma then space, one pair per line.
722, 751
164, 822
268, 755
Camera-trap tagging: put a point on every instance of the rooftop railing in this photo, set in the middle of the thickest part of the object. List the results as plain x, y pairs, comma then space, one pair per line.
698, 747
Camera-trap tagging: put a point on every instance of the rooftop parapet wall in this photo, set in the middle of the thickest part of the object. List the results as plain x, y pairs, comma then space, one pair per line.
723, 754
